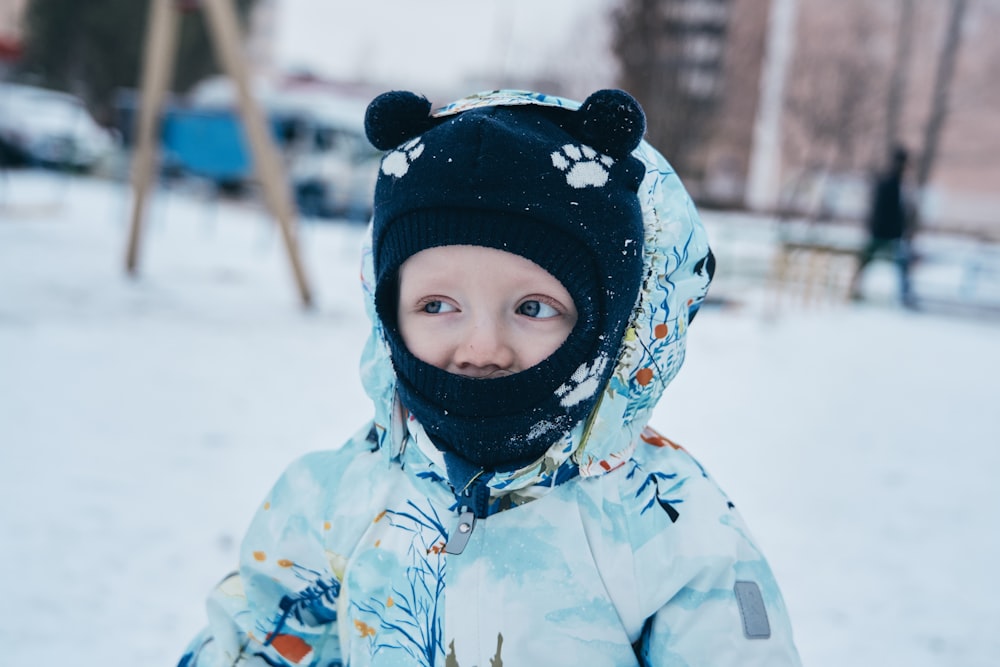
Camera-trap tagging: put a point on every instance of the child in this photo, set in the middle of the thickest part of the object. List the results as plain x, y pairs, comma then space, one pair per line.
531, 274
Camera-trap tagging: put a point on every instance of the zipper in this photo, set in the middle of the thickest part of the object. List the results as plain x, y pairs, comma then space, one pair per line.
463, 531
473, 502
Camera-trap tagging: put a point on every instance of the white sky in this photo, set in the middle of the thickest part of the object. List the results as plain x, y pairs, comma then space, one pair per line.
438, 42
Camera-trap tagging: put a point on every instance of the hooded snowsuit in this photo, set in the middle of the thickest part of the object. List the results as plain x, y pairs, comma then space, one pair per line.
614, 549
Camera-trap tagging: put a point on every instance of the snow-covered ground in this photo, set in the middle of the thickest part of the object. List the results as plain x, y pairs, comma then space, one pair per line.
141, 420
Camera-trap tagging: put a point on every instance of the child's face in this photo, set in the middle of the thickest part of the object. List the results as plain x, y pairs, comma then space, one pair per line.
481, 312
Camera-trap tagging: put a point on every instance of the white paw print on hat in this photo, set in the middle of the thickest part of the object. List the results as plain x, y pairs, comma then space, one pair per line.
584, 166
397, 162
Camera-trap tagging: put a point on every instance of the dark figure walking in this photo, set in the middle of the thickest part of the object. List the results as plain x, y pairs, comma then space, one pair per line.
890, 228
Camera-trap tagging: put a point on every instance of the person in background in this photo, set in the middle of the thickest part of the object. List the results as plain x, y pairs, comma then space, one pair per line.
890, 228
532, 270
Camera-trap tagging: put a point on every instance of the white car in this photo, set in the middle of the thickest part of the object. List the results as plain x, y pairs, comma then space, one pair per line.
50, 128
332, 166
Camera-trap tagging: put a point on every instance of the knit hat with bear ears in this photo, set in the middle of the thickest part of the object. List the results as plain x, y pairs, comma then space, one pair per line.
553, 185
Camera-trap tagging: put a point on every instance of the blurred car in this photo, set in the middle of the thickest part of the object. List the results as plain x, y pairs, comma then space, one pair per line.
49, 128
330, 165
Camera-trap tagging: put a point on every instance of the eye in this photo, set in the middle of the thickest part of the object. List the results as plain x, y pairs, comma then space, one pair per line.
536, 309
435, 307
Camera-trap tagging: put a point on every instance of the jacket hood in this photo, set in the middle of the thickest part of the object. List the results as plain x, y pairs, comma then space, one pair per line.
677, 269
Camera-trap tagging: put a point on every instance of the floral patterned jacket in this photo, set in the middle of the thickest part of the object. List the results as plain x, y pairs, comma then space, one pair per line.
616, 549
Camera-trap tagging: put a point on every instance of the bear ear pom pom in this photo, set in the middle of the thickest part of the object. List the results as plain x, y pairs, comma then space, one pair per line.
609, 120
612, 122
394, 117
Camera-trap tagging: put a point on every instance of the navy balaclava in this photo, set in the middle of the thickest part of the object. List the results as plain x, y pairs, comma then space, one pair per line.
553, 185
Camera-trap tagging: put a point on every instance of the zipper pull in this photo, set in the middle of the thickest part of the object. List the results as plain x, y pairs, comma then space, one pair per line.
463, 531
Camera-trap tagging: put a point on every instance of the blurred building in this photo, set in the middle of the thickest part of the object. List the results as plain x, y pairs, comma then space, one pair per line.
11, 12
261, 37
836, 116
738, 71
825, 127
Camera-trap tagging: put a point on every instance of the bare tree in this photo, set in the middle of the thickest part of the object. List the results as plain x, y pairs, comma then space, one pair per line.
670, 55
940, 97
973, 100
94, 48
834, 97
899, 77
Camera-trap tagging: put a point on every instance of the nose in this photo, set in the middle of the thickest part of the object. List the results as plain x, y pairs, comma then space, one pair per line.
484, 351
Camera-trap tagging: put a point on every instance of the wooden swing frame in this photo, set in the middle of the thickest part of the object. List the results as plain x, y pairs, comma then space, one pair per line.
158, 65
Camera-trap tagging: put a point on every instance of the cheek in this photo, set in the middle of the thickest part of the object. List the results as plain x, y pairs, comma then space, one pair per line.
423, 340
539, 345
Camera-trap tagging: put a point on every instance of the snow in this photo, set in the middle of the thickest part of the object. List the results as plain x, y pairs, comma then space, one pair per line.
142, 420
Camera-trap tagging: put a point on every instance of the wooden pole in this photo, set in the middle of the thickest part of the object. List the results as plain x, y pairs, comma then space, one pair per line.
158, 64
224, 29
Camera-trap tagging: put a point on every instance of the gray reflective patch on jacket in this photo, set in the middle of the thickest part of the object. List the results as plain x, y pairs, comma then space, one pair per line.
752, 610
